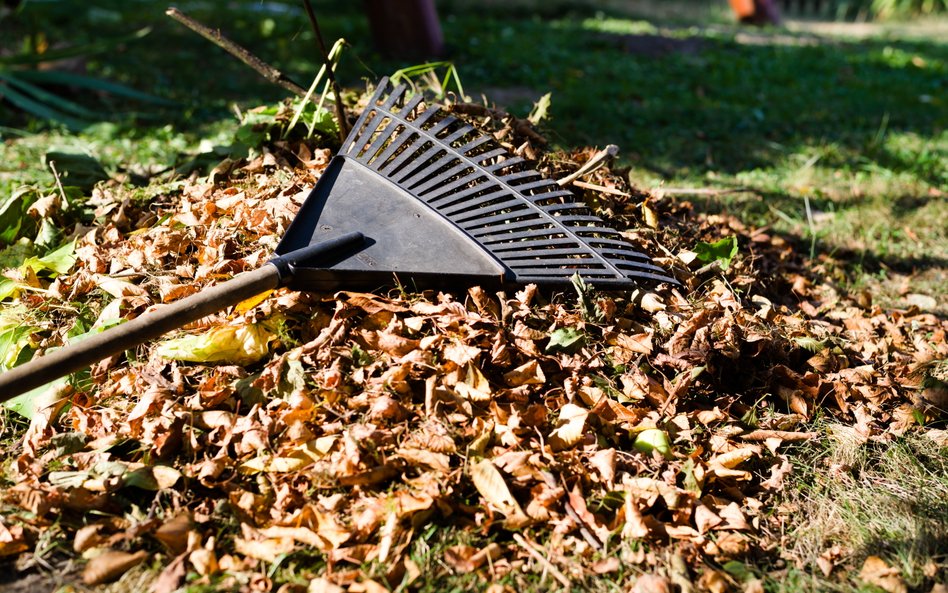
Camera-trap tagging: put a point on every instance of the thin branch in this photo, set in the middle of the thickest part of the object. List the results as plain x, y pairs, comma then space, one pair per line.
241, 53
597, 160
340, 110
59, 184
601, 188
526, 545
701, 191
763, 435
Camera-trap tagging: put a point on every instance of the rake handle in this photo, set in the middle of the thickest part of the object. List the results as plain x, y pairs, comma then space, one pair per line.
151, 325
143, 328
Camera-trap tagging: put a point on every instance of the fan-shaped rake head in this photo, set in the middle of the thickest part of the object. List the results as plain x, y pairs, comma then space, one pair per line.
441, 203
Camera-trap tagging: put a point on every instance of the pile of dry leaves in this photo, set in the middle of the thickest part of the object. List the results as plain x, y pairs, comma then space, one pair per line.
569, 435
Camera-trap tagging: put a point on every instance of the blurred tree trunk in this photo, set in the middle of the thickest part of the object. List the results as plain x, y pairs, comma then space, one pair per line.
405, 28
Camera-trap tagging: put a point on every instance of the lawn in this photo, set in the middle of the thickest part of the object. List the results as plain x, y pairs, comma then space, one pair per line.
826, 154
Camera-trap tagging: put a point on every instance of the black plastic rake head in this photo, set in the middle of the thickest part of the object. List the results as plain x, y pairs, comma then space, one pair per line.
441, 204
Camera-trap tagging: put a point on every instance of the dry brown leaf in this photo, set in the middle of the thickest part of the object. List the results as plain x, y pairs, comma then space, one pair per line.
87, 537
323, 585
438, 462
174, 532
110, 565
204, 559
714, 581
630, 345
732, 459
529, 373
571, 429
491, 485
606, 565
465, 559
875, 571
267, 550
171, 577
475, 386
12, 540
705, 518
650, 583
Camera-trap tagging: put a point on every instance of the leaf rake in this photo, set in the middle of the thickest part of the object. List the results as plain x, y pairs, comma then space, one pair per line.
413, 193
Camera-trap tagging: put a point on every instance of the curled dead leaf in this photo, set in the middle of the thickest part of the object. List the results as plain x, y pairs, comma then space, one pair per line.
491, 485
876, 571
465, 559
173, 533
529, 373
110, 565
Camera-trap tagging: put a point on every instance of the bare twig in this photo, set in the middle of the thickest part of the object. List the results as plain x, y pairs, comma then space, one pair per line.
763, 435
241, 53
526, 545
59, 184
601, 188
588, 535
700, 191
340, 110
597, 160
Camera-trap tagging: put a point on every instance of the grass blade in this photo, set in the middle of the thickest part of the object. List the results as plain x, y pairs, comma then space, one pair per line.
57, 77
39, 109
44, 96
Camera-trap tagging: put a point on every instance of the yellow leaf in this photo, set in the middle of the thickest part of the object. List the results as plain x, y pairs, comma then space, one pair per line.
279, 465
248, 304
232, 344
649, 215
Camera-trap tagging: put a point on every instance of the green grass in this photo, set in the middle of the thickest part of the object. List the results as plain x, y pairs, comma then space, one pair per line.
884, 499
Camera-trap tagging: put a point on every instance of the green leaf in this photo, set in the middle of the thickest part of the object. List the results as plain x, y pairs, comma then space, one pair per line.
14, 220
652, 439
360, 357
31, 402
59, 261
49, 235
540, 109
68, 479
14, 343
17, 253
690, 481
738, 570
722, 251
811, 344
565, 339
587, 299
